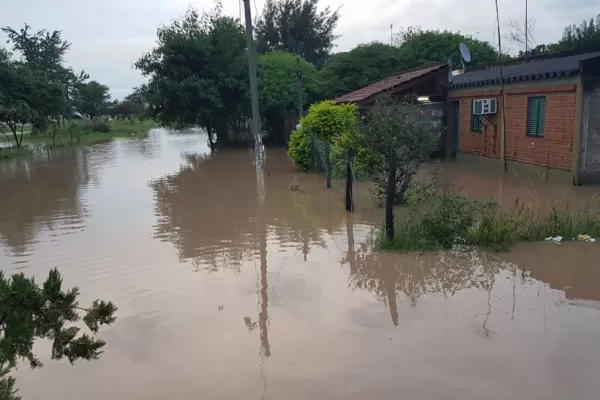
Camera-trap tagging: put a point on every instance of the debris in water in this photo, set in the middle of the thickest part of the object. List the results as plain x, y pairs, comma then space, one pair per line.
555, 239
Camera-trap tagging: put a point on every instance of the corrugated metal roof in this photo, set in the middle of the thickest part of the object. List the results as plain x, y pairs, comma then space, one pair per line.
533, 70
388, 83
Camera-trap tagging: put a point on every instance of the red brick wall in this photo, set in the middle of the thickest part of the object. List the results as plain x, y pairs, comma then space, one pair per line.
554, 150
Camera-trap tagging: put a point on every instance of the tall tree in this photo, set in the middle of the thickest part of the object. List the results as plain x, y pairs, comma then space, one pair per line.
29, 312
27, 96
92, 98
582, 37
297, 27
277, 87
197, 74
44, 52
359, 67
423, 46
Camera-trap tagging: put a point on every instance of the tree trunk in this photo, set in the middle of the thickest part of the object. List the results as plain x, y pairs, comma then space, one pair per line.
13, 128
389, 198
21, 140
328, 163
210, 139
349, 181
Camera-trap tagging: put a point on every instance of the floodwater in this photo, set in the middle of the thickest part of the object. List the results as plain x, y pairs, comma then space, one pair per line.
224, 297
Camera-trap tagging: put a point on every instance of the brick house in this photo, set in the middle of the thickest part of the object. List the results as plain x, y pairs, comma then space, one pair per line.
552, 114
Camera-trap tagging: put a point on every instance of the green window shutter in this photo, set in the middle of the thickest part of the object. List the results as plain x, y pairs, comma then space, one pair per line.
541, 116
536, 114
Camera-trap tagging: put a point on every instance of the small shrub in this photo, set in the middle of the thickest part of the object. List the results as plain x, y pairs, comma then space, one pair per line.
295, 187
299, 149
100, 125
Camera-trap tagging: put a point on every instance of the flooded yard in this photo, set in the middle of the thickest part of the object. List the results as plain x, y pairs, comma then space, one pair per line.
221, 297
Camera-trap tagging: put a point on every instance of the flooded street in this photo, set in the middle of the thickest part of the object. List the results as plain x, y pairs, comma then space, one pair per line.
221, 297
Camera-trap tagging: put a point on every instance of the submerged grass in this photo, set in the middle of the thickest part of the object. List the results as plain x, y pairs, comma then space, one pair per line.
89, 132
8, 153
453, 219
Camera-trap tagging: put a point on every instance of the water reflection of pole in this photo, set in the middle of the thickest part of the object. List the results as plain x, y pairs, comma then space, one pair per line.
350, 233
390, 289
263, 316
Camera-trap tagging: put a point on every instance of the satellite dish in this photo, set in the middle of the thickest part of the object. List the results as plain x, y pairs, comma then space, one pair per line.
465, 54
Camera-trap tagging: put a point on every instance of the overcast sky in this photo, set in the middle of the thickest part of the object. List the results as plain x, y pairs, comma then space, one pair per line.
107, 36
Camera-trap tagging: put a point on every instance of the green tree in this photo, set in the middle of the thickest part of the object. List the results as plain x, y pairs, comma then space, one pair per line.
27, 97
582, 37
44, 53
425, 46
92, 98
198, 75
277, 87
360, 67
297, 27
391, 144
29, 312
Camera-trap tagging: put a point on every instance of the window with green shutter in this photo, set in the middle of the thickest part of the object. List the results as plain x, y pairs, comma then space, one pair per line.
476, 120
536, 114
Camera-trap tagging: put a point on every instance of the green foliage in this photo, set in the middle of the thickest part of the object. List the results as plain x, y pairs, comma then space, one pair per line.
92, 98
277, 81
29, 312
299, 149
424, 46
43, 53
582, 37
297, 27
359, 67
100, 125
198, 73
329, 121
8, 153
277, 87
414, 47
391, 143
446, 219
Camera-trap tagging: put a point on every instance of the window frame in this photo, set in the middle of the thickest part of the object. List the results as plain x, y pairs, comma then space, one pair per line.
539, 132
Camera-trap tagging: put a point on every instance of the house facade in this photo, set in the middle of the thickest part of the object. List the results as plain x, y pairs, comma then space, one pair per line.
548, 114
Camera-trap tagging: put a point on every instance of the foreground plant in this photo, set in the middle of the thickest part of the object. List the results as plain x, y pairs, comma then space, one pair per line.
449, 219
392, 142
29, 312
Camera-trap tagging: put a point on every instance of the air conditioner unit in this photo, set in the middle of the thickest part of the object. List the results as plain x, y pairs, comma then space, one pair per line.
485, 106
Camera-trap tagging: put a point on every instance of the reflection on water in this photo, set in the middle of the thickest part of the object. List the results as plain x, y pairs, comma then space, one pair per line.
224, 296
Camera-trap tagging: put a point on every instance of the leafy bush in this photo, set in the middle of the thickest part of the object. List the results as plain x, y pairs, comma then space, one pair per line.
100, 125
452, 219
299, 148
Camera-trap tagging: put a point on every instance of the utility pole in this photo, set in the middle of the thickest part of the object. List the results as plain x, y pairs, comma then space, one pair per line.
299, 88
526, 32
255, 127
503, 130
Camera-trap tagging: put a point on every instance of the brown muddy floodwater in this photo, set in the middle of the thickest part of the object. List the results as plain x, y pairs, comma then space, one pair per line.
220, 298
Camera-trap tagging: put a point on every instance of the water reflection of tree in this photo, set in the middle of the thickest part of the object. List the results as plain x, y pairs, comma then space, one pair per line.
388, 275
208, 208
42, 193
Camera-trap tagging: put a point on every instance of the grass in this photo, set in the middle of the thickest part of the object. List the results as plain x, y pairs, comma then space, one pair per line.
85, 132
453, 219
9, 153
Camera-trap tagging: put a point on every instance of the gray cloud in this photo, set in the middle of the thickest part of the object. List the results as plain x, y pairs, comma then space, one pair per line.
108, 36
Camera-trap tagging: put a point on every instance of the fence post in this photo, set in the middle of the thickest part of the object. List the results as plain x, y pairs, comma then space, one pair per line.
349, 180
328, 163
